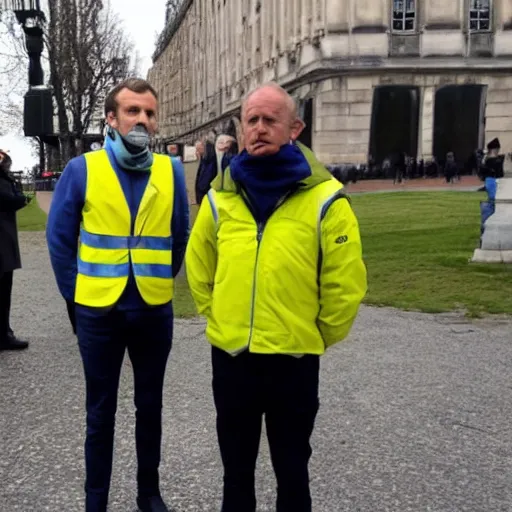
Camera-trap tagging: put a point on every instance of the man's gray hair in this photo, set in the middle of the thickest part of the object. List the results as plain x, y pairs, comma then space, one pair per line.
290, 102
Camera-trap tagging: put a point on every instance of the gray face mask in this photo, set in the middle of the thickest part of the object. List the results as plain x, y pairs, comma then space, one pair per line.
138, 136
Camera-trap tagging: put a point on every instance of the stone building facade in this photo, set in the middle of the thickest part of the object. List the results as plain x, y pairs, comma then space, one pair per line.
370, 76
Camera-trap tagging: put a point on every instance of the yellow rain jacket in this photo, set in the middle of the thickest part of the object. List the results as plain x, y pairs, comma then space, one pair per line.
292, 286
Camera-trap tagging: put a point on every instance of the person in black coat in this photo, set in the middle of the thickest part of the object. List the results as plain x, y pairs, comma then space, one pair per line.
207, 169
493, 165
11, 200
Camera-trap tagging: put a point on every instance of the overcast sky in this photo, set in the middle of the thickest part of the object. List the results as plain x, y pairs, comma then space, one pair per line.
142, 21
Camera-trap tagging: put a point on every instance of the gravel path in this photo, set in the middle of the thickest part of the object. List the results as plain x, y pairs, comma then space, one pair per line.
415, 416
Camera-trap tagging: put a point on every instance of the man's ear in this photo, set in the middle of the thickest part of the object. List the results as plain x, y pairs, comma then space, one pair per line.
297, 126
112, 120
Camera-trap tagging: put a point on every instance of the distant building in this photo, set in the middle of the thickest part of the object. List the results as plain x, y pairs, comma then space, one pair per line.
371, 77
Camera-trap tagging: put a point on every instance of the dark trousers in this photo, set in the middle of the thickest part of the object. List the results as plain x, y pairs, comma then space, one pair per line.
5, 303
285, 390
103, 337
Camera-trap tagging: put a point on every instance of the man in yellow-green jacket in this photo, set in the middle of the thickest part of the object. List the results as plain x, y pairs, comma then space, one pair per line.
275, 264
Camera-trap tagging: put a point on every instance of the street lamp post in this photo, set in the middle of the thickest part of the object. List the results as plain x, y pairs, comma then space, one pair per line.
38, 105
31, 18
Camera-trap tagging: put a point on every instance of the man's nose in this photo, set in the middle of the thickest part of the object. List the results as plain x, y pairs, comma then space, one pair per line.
261, 127
143, 119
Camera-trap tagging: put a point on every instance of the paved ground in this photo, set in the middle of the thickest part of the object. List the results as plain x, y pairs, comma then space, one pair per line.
44, 200
466, 183
415, 415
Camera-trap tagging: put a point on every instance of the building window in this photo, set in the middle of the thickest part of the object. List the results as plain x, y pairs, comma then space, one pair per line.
479, 15
404, 15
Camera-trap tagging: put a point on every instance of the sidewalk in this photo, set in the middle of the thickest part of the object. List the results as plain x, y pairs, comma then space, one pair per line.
467, 182
415, 414
44, 200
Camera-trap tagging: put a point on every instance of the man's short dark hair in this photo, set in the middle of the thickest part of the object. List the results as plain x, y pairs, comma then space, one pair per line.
138, 85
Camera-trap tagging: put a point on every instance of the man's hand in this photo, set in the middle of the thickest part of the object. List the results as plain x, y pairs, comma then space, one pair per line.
71, 314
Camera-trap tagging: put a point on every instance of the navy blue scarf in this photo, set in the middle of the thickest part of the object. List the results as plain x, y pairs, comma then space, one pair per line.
266, 179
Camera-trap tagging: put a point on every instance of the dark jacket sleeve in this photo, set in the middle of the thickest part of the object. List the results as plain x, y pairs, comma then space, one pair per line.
180, 217
208, 174
199, 194
9, 201
63, 225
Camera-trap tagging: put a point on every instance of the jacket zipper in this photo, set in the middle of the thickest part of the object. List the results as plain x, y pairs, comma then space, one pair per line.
259, 236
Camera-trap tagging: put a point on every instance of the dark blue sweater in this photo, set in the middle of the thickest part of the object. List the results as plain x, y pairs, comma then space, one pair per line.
65, 216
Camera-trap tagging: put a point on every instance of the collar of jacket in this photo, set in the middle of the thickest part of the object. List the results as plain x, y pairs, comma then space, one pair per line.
224, 183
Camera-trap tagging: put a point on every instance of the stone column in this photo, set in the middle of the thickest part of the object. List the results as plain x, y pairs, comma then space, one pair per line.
443, 28
369, 29
503, 37
426, 123
337, 16
305, 17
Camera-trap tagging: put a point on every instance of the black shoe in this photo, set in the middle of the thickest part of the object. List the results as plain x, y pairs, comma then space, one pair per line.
12, 343
152, 504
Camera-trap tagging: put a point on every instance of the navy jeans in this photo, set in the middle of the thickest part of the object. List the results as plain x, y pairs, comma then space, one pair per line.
103, 337
5, 304
285, 390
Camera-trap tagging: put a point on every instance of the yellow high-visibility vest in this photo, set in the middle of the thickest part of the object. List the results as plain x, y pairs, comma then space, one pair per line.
108, 246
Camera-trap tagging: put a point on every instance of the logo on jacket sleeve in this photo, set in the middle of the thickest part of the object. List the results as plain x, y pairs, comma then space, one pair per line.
342, 239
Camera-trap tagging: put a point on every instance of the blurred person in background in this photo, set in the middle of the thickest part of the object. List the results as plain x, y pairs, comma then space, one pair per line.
12, 199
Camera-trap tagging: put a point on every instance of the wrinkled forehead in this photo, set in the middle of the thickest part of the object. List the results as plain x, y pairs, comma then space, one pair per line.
274, 110
269, 102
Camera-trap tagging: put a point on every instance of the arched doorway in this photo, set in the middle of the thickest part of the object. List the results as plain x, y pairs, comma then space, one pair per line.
395, 119
234, 129
459, 121
306, 114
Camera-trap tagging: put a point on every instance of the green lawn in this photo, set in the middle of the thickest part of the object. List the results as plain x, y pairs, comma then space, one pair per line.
31, 218
417, 247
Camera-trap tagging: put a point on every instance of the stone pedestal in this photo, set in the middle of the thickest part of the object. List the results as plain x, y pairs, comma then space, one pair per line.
497, 237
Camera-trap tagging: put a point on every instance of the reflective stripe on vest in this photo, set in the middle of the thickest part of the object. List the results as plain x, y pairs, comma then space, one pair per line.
110, 247
125, 242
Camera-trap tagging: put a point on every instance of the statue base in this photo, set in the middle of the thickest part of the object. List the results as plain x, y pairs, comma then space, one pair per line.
497, 237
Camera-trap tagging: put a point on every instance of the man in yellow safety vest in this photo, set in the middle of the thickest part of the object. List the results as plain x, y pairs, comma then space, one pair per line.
117, 232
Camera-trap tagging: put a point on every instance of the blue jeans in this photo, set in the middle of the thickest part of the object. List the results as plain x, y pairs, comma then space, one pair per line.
103, 337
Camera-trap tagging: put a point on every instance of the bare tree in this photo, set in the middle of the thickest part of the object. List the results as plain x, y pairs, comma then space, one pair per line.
13, 73
172, 8
88, 53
